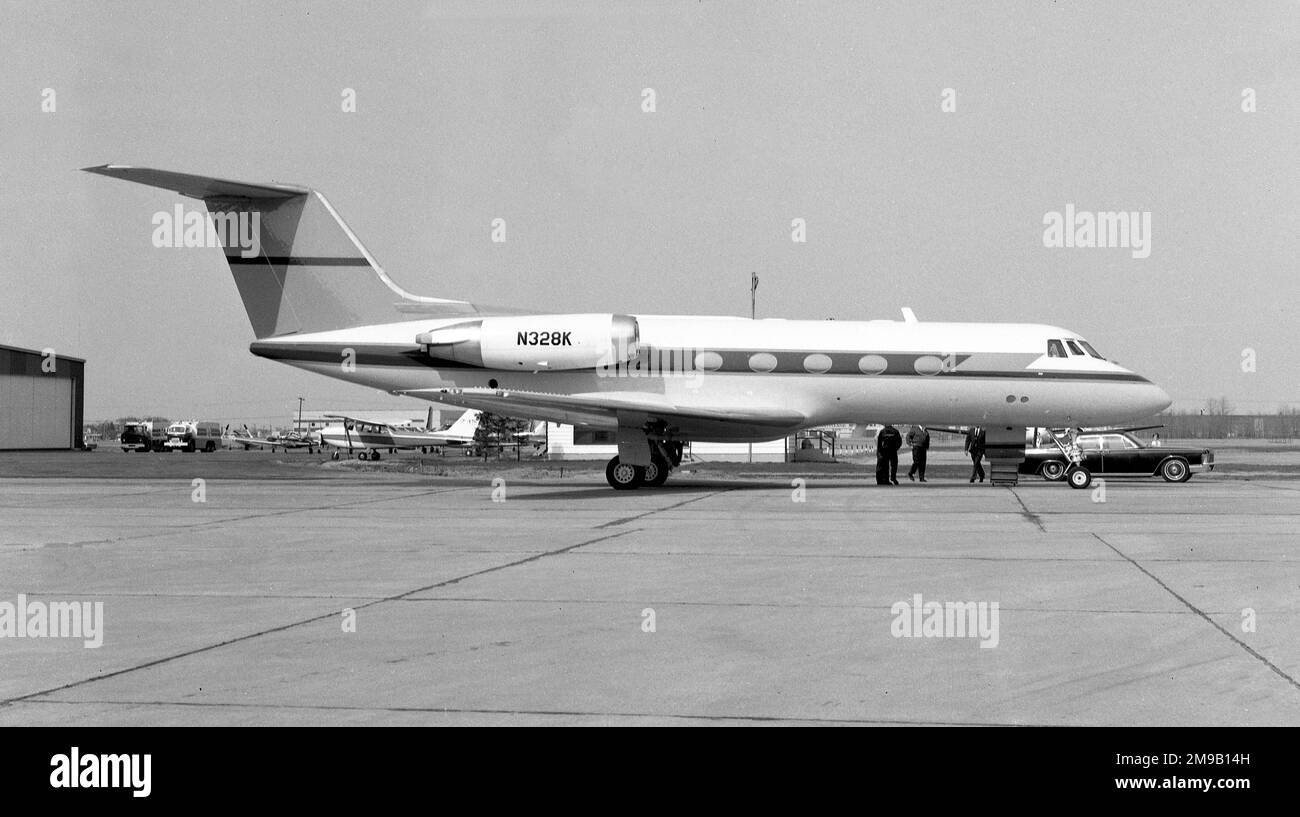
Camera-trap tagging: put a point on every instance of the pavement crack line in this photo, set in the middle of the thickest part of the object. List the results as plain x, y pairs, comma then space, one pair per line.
1249, 649
167, 659
675, 505
171, 529
1028, 514
564, 713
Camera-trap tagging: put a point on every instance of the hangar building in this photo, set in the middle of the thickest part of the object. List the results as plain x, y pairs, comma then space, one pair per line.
42, 399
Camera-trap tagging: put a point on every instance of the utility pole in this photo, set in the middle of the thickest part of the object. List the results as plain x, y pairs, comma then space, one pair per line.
299, 429
753, 310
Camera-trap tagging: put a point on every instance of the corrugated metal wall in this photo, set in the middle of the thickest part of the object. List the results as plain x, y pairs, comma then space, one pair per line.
35, 412
39, 409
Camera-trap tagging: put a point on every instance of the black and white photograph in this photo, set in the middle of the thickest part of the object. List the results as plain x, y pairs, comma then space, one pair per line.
643, 364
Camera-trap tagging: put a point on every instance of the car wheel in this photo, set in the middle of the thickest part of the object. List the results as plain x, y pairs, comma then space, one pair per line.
1175, 469
1079, 477
1052, 470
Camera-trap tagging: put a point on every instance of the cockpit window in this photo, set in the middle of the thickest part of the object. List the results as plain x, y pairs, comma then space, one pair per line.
1055, 349
1074, 347
1086, 345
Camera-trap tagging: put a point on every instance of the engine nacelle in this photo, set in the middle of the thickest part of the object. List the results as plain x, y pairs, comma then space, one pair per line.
536, 342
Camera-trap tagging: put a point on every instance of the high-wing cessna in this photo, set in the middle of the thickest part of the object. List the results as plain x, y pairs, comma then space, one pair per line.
319, 301
361, 435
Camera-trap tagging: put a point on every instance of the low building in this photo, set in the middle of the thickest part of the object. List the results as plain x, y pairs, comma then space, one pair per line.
42, 400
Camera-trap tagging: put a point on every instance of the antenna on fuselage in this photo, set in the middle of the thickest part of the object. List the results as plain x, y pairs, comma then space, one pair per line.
908, 315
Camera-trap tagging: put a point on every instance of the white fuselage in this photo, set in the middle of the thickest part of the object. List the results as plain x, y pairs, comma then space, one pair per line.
361, 437
827, 371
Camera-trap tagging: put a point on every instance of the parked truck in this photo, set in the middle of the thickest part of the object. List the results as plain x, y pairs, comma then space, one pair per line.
193, 435
143, 436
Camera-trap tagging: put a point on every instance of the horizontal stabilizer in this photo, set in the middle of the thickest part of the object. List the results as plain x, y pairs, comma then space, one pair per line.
197, 187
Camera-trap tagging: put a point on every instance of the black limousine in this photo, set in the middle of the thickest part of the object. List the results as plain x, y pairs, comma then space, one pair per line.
1119, 454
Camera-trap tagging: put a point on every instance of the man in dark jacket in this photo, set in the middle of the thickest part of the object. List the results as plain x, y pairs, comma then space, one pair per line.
887, 444
919, 440
975, 447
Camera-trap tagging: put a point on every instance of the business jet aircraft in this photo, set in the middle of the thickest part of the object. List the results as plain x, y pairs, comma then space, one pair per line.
361, 435
319, 301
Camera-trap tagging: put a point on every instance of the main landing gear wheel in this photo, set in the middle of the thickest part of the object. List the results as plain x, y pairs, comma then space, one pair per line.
1079, 477
623, 476
1052, 470
656, 473
374, 455
334, 455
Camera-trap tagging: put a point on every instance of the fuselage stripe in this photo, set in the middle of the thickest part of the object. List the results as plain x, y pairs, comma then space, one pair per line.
733, 362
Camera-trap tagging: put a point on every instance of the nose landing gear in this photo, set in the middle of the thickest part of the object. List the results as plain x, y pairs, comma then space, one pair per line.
1076, 474
1079, 477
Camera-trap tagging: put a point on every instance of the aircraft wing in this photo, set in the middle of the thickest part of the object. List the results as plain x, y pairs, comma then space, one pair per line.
1101, 430
958, 430
606, 409
348, 418
405, 428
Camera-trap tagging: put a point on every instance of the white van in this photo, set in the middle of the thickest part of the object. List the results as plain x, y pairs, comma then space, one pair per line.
193, 435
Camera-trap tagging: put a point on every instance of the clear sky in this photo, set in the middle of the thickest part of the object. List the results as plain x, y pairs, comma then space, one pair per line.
764, 112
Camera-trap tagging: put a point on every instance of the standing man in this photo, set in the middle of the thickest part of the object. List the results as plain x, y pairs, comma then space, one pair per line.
919, 440
887, 445
975, 447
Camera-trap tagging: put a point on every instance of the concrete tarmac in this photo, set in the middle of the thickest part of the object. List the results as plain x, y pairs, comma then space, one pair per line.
1162, 604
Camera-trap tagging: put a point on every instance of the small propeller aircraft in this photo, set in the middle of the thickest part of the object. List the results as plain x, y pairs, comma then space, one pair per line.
248, 439
368, 436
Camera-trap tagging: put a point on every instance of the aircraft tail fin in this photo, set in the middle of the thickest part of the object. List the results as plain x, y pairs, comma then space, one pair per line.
298, 266
465, 426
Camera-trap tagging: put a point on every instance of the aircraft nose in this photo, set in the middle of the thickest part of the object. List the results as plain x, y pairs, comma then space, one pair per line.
1155, 399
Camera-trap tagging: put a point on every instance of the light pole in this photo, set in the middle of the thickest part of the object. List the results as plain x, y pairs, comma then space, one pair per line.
299, 429
753, 310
